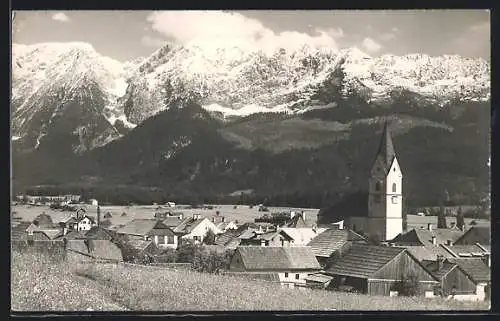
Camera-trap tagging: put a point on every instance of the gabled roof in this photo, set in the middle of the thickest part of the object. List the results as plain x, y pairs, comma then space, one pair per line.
188, 225
422, 236
476, 234
428, 252
363, 261
262, 258
331, 240
433, 267
51, 233
475, 268
172, 221
302, 235
98, 249
98, 233
141, 227
226, 237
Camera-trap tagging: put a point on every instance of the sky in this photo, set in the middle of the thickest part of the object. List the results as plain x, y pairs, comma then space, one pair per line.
127, 35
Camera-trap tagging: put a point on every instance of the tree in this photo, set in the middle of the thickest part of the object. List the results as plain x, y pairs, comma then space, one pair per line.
105, 223
209, 238
441, 216
460, 219
408, 285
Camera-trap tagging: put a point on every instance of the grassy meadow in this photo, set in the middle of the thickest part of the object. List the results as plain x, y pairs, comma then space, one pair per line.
39, 284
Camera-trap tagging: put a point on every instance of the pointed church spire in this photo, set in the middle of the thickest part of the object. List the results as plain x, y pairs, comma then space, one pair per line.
386, 148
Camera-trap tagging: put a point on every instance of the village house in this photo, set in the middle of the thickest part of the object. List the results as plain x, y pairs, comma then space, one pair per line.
378, 270
332, 243
478, 271
260, 238
195, 228
288, 265
221, 223
475, 234
455, 282
148, 229
82, 223
301, 235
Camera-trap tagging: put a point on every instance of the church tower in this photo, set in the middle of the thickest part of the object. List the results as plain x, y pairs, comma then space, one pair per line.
385, 200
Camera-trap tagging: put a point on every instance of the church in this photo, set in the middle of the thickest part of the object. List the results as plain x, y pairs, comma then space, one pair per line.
377, 213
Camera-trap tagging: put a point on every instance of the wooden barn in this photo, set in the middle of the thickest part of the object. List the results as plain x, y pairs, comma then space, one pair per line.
378, 270
454, 280
291, 265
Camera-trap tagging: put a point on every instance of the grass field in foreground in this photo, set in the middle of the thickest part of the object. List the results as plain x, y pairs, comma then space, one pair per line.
38, 284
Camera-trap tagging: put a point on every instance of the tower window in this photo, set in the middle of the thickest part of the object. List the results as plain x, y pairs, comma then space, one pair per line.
377, 186
394, 187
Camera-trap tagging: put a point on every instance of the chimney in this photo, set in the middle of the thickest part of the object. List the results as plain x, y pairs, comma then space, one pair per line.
440, 262
449, 243
429, 226
434, 242
223, 219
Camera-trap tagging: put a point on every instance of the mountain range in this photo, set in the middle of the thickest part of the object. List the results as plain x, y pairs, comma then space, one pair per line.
213, 120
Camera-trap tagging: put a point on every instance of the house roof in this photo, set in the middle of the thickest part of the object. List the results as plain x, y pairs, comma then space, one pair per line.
226, 237
422, 236
364, 260
98, 233
466, 250
475, 268
302, 234
331, 240
476, 234
188, 224
278, 258
248, 234
428, 252
51, 233
172, 221
319, 277
352, 205
139, 244
433, 267
141, 227
99, 249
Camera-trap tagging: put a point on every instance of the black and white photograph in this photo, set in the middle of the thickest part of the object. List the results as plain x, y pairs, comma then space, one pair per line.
253, 160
